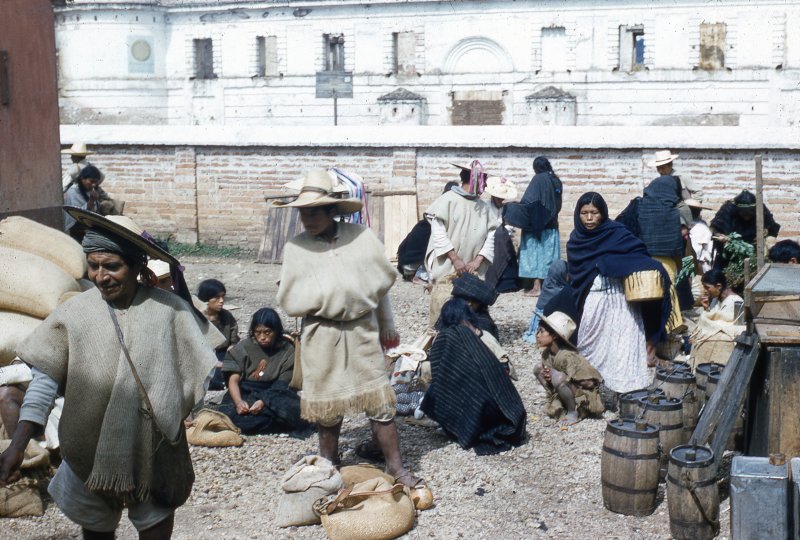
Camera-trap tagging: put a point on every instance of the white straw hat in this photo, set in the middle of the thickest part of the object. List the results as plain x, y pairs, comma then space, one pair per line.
77, 149
501, 188
561, 324
318, 190
662, 157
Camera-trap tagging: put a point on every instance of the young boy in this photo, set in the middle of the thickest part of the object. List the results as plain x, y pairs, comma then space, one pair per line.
573, 382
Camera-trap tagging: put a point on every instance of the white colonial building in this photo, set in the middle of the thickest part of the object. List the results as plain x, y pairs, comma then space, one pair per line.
430, 62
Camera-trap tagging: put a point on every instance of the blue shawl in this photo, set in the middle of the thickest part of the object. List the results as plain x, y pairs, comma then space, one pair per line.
659, 220
612, 251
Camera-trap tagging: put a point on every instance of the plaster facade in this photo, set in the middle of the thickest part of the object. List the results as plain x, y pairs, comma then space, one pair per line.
625, 62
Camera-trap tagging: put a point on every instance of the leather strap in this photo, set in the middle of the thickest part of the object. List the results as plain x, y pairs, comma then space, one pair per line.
347, 493
146, 400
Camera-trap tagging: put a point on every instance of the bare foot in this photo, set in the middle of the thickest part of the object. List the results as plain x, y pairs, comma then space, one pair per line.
407, 479
571, 419
533, 293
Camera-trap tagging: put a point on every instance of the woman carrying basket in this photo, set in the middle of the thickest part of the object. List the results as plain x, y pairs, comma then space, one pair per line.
613, 332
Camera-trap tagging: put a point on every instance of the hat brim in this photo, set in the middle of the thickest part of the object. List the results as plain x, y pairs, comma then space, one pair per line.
311, 200
510, 194
70, 152
693, 205
550, 325
91, 220
660, 162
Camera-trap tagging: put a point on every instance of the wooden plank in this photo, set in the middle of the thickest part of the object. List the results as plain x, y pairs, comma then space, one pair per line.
279, 227
718, 416
784, 400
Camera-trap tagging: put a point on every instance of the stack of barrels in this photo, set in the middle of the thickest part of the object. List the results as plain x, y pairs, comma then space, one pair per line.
648, 444
39, 268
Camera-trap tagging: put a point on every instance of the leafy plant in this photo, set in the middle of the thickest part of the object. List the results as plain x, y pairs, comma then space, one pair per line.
736, 251
687, 269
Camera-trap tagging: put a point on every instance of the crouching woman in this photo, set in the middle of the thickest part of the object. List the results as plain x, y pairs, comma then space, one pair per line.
258, 370
573, 383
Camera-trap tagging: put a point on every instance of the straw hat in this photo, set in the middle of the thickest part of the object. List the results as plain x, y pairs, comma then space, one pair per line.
694, 203
318, 190
160, 268
561, 324
662, 157
501, 188
124, 227
77, 149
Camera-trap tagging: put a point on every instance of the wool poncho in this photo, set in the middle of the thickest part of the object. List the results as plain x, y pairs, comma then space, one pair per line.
104, 435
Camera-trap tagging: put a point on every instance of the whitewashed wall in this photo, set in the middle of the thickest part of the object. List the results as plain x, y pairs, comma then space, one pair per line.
493, 46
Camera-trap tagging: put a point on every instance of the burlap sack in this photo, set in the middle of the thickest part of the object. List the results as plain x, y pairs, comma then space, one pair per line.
14, 327
309, 479
31, 284
372, 510
36, 457
355, 474
213, 428
21, 499
51, 244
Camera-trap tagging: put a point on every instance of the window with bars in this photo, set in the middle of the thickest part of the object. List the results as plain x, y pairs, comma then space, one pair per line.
333, 51
204, 59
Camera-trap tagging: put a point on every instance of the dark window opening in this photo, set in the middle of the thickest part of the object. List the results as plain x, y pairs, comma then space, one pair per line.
333, 51
204, 59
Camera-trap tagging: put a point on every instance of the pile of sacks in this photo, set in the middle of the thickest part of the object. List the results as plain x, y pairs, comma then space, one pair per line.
40, 267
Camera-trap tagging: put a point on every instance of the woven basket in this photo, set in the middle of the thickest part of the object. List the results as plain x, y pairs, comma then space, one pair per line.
643, 286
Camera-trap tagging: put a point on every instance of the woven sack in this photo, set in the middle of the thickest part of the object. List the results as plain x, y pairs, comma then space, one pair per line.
21, 499
305, 482
371, 510
35, 457
355, 474
30, 284
15, 328
46, 242
213, 428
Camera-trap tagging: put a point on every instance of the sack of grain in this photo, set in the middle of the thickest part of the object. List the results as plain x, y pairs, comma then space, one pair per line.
57, 247
30, 284
15, 328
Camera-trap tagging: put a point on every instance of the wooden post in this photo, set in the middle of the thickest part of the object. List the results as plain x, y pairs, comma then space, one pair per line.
759, 214
335, 109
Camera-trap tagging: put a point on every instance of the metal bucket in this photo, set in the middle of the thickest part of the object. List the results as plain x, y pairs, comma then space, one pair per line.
629, 467
692, 493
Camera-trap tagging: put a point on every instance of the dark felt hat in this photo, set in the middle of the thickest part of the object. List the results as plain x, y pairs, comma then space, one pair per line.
471, 287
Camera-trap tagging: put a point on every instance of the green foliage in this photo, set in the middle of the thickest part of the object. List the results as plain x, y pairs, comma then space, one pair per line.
204, 250
736, 251
687, 269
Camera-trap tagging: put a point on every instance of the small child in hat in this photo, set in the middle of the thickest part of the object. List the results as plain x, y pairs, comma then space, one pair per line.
573, 382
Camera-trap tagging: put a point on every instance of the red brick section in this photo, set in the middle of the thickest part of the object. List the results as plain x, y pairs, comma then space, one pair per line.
172, 190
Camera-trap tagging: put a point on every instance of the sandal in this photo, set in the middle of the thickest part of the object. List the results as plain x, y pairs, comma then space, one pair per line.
367, 449
421, 495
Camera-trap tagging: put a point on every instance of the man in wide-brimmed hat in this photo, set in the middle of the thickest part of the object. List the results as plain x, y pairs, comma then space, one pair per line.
336, 276
462, 235
664, 162
503, 273
131, 360
78, 153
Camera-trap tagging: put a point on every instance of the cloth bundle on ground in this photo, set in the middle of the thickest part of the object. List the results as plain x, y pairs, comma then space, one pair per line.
31, 284
304, 483
22, 497
406, 377
471, 396
48, 243
213, 428
371, 510
355, 474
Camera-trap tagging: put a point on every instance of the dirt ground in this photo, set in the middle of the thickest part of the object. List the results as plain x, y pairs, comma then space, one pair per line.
547, 488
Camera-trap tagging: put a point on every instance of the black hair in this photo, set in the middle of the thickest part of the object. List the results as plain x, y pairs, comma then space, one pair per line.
465, 175
556, 337
745, 197
714, 276
267, 317
90, 171
450, 185
454, 312
784, 251
542, 164
210, 288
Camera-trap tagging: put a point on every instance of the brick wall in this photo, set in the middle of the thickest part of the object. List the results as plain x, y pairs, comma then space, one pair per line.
214, 194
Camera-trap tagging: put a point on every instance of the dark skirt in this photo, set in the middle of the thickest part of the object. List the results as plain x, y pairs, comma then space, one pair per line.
281, 412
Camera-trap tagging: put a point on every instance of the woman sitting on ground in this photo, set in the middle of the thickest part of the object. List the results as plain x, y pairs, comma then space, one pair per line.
212, 292
471, 397
258, 370
713, 338
613, 333
573, 384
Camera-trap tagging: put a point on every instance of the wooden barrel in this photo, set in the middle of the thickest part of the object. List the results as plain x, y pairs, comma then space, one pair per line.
711, 382
691, 410
629, 467
692, 493
667, 414
629, 404
701, 374
675, 384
